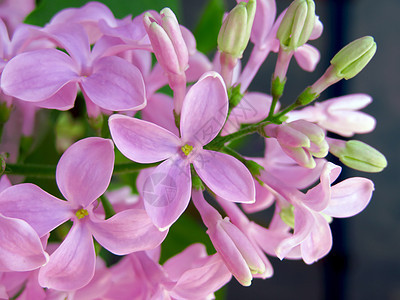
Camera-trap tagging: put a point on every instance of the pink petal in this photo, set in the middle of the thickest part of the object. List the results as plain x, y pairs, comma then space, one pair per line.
159, 110
198, 65
39, 209
84, 170
200, 282
307, 57
115, 85
126, 232
37, 75
304, 223
318, 243
64, 99
319, 196
253, 108
182, 262
263, 21
225, 176
166, 192
73, 38
72, 265
348, 102
264, 199
20, 246
142, 141
204, 109
349, 197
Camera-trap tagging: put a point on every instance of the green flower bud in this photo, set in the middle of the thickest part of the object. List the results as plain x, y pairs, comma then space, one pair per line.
349, 61
358, 155
297, 24
235, 32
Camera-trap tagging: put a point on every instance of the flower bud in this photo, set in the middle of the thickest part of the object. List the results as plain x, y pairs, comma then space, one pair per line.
358, 155
297, 24
236, 28
349, 61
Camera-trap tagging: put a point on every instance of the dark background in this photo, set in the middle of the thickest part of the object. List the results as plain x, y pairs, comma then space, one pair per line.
364, 262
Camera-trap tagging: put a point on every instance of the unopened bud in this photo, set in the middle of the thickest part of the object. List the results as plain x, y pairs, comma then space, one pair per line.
297, 24
358, 155
287, 215
349, 61
235, 31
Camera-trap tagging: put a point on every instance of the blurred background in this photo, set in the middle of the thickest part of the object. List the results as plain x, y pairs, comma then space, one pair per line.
364, 262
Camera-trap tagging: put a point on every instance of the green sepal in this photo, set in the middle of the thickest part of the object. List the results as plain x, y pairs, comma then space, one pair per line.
5, 112
287, 215
254, 168
234, 95
177, 119
197, 183
3, 158
277, 87
306, 97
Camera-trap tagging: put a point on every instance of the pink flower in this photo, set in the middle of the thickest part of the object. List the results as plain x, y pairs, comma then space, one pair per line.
238, 253
167, 190
20, 246
312, 237
51, 78
83, 174
339, 115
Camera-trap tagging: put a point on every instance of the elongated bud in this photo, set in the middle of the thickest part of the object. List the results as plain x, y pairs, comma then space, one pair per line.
297, 24
349, 61
235, 31
358, 155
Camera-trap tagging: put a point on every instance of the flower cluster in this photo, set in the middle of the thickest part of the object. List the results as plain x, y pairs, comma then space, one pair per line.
141, 93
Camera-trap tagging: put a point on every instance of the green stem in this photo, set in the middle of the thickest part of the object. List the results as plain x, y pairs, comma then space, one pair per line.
108, 208
233, 153
49, 171
285, 111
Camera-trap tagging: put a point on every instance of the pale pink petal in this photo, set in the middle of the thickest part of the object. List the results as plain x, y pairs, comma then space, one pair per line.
349, 197
37, 75
263, 21
41, 210
159, 110
4, 183
202, 281
183, 261
307, 57
204, 109
73, 38
64, 99
198, 65
126, 232
264, 199
142, 141
304, 223
253, 107
115, 85
319, 196
84, 170
88, 16
225, 176
317, 30
267, 239
20, 246
72, 265
318, 243
166, 192
348, 102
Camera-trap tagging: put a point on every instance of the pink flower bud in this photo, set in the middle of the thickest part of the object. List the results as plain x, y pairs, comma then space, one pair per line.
167, 41
301, 140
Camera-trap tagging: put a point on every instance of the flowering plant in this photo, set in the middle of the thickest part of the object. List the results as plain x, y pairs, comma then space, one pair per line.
143, 124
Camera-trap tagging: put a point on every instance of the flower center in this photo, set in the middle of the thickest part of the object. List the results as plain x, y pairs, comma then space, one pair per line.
81, 213
187, 149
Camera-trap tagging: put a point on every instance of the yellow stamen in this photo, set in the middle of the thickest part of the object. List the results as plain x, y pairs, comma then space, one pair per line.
187, 149
81, 213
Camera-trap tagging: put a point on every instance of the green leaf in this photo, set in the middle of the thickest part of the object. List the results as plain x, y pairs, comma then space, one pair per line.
121, 8
207, 30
